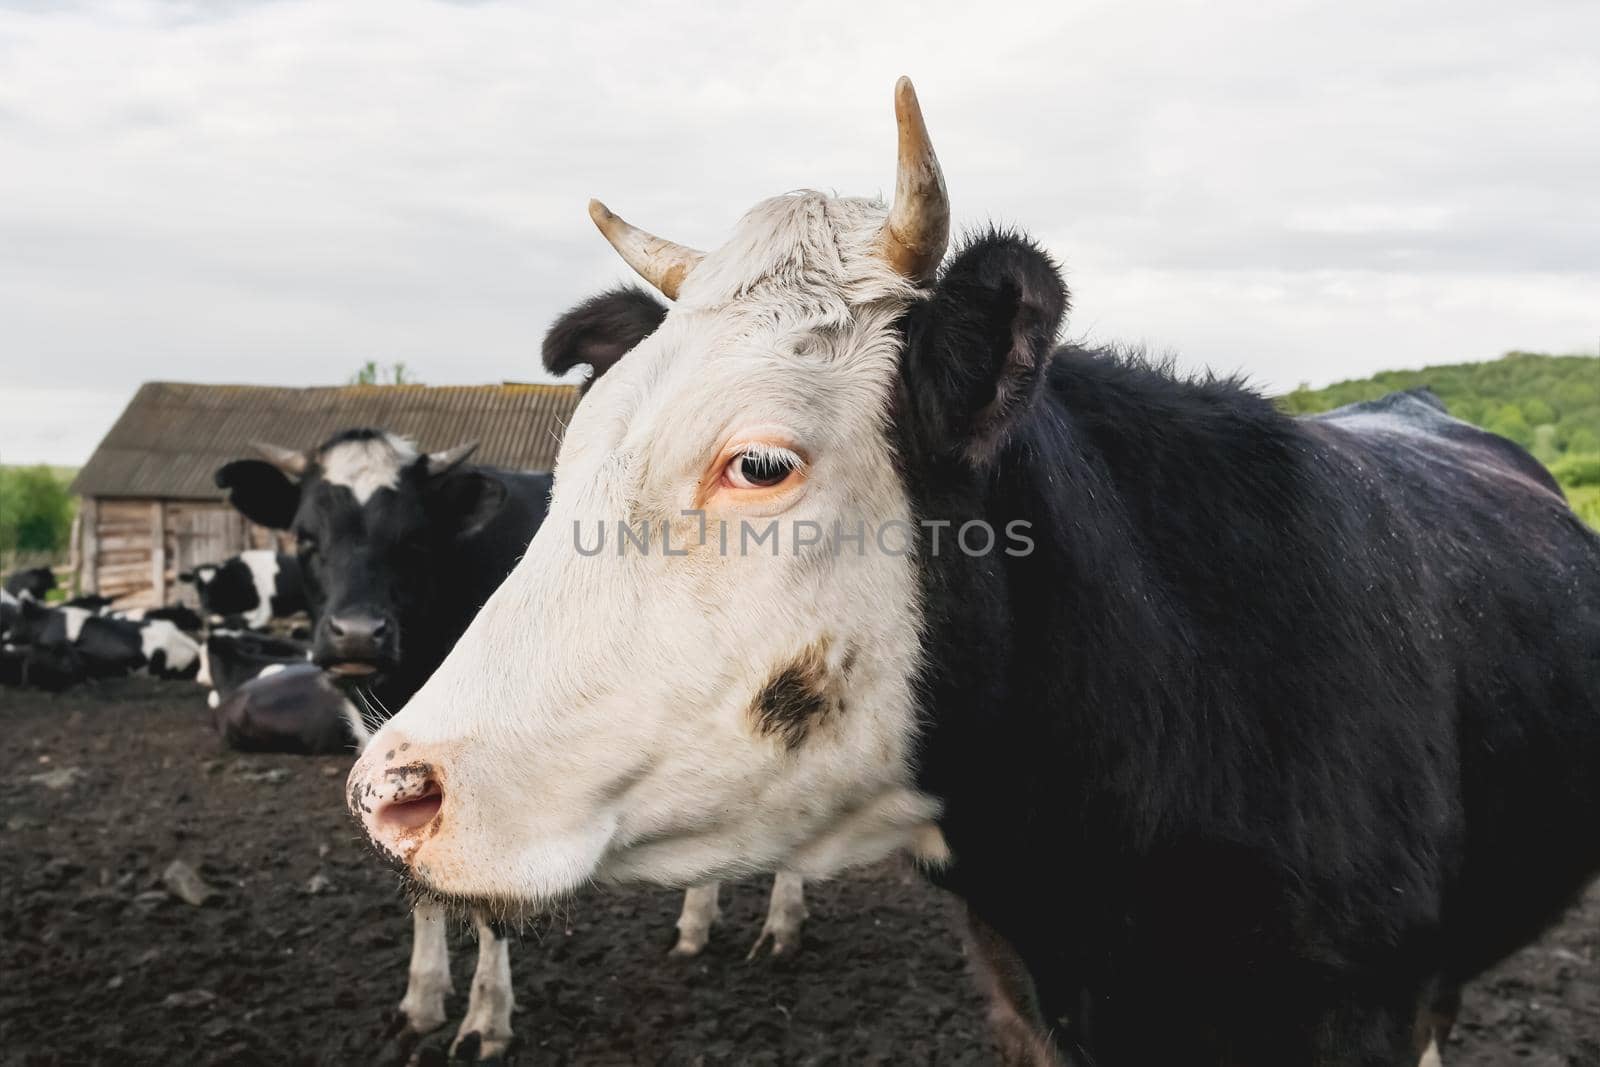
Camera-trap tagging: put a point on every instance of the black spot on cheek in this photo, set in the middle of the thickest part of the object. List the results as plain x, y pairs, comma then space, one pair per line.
795, 700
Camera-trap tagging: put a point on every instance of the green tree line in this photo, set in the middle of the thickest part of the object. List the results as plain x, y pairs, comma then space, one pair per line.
1549, 405
35, 512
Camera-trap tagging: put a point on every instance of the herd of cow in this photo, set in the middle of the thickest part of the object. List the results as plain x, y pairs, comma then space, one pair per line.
264, 693
1277, 733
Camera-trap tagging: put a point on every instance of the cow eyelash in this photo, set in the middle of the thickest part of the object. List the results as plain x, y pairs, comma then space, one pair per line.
761, 466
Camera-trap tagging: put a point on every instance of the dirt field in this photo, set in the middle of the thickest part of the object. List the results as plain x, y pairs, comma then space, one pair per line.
102, 788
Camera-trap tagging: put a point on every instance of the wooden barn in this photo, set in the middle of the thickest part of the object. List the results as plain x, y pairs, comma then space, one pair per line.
150, 509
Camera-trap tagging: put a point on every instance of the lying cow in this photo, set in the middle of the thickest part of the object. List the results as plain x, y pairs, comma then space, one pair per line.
266, 697
230, 658
290, 708
184, 618
250, 589
105, 647
1246, 739
50, 669
31, 582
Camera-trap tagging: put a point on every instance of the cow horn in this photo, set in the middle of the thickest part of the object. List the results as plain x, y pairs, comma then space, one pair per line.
918, 228
660, 262
440, 462
285, 459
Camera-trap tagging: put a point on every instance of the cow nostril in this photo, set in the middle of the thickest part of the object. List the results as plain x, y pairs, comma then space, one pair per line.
414, 812
379, 629
335, 628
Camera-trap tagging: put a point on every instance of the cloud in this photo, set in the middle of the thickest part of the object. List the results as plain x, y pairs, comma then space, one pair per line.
277, 192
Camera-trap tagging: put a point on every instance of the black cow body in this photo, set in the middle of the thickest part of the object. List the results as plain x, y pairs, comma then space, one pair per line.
233, 657
250, 589
50, 669
290, 708
1283, 730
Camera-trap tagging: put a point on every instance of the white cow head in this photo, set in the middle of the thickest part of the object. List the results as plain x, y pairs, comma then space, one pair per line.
707, 662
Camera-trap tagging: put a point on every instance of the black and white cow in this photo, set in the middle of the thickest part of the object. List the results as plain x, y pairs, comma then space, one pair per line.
184, 618
34, 582
1246, 739
105, 647
250, 589
230, 658
289, 707
397, 551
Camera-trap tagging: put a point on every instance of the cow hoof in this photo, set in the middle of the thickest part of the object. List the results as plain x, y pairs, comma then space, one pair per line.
784, 943
689, 946
687, 949
473, 1047
397, 1044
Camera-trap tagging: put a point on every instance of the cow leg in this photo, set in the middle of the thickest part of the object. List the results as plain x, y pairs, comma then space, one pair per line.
485, 1034
1014, 1015
428, 983
786, 911
700, 913
1435, 1021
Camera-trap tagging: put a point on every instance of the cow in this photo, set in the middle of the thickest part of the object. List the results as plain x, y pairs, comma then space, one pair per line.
31, 582
105, 647
89, 602
230, 658
249, 589
50, 669
290, 708
183, 617
1245, 739
397, 549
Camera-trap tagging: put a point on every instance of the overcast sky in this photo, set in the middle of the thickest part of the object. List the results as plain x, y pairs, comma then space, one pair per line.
278, 191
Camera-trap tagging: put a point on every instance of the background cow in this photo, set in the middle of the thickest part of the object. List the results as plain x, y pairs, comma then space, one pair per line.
288, 707
104, 647
1245, 739
35, 582
397, 549
250, 589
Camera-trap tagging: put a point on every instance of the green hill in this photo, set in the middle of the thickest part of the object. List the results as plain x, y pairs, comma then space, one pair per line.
1549, 405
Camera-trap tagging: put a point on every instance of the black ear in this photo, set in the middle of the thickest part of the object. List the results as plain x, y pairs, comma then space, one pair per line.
601, 330
465, 500
262, 492
976, 350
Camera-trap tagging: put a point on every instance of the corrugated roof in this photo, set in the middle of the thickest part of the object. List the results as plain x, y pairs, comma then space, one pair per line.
172, 436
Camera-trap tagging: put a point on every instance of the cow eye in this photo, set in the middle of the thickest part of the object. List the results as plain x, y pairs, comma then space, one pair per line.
306, 542
761, 467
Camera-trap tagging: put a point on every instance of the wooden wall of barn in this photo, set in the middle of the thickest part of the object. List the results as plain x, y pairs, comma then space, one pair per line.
133, 550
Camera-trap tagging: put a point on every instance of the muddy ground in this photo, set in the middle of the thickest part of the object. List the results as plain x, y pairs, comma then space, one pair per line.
102, 788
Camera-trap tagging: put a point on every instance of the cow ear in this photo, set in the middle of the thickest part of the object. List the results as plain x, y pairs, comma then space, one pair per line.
262, 492
601, 330
977, 348
466, 500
